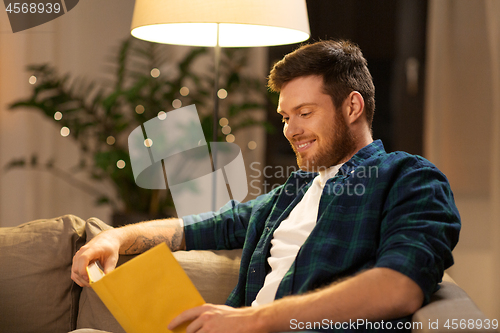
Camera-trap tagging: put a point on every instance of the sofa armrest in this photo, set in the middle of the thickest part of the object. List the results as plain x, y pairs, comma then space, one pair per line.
448, 303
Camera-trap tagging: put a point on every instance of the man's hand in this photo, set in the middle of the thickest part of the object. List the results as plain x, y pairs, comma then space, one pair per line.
375, 294
210, 318
132, 239
104, 247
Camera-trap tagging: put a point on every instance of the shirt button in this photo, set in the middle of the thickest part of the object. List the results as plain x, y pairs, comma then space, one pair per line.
267, 228
253, 270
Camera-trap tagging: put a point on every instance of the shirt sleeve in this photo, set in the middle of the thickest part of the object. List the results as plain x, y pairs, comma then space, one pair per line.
420, 226
225, 229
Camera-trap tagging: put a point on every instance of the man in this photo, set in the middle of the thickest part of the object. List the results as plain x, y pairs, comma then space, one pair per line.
367, 238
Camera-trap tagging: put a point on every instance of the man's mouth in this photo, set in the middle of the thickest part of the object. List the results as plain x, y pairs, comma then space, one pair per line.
303, 145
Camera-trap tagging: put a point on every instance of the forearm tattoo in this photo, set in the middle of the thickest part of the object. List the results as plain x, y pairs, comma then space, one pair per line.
143, 243
176, 240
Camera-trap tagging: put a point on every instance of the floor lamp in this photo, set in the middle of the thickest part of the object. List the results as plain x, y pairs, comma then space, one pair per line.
221, 23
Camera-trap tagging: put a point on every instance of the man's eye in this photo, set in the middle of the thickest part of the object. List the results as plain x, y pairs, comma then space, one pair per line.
305, 114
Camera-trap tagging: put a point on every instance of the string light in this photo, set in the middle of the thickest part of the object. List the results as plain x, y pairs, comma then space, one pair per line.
58, 115
155, 72
139, 109
65, 131
184, 91
226, 130
223, 122
110, 140
222, 93
120, 164
177, 103
148, 142
252, 145
230, 138
162, 115
32, 79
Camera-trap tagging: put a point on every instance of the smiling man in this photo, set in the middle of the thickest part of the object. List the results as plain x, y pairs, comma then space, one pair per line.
356, 236
317, 132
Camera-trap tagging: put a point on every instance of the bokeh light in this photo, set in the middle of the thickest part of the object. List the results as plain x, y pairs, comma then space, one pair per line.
223, 122
65, 131
176, 103
110, 140
252, 145
155, 72
222, 93
139, 109
120, 164
184, 91
162, 115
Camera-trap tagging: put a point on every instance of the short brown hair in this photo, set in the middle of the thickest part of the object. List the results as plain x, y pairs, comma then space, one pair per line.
340, 63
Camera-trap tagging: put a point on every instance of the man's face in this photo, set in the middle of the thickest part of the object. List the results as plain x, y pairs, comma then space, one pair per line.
317, 131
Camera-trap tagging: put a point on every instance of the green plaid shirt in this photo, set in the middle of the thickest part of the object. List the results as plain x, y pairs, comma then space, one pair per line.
381, 210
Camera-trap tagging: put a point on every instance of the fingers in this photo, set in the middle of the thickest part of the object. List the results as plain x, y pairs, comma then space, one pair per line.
185, 316
78, 270
103, 248
110, 263
189, 315
81, 260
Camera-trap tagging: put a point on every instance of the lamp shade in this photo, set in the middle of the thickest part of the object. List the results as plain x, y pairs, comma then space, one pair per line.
241, 22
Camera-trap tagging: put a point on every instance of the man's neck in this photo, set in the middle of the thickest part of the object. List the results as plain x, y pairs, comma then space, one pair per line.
360, 144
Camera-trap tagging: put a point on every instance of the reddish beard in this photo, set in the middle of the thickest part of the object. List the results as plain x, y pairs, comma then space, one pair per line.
331, 150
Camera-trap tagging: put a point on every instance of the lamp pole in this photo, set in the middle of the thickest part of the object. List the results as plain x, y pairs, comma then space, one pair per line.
216, 85
215, 120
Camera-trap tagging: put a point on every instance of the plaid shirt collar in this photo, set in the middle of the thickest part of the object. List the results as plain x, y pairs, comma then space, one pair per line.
369, 151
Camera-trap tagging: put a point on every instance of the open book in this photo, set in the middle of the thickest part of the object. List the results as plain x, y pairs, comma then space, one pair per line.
147, 292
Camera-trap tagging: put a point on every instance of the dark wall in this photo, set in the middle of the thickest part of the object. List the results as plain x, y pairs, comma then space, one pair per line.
391, 34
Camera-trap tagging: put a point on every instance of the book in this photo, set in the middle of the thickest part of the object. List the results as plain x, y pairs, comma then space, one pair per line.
147, 292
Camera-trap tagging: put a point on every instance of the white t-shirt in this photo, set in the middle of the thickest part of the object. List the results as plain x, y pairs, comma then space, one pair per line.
291, 235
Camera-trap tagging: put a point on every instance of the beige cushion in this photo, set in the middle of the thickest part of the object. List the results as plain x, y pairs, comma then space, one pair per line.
92, 312
36, 290
214, 273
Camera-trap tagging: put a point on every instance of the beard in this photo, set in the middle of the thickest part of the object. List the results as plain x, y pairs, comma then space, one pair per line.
333, 149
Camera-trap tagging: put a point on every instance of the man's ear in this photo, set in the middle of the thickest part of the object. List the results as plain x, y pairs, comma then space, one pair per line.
354, 107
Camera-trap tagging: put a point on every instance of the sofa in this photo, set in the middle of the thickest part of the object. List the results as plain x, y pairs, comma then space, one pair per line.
37, 294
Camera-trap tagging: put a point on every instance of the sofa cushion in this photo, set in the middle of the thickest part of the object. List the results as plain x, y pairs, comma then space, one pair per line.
36, 290
92, 312
214, 273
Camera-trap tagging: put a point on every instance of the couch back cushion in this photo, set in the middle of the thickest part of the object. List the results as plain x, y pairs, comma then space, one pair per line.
92, 312
214, 273
36, 290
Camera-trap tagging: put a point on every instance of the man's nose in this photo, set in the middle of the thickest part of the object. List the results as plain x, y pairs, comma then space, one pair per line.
292, 128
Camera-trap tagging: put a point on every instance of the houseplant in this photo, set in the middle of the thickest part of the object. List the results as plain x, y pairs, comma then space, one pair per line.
99, 117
